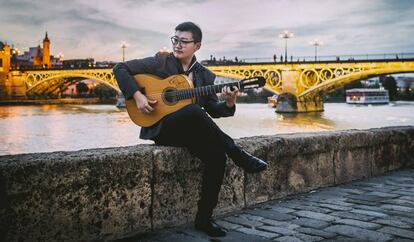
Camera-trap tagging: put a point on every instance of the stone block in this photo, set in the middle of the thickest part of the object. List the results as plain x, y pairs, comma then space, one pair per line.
231, 195
314, 215
386, 157
277, 230
359, 224
393, 223
177, 184
295, 165
398, 232
309, 172
271, 183
288, 239
73, 196
243, 221
258, 233
392, 149
271, 214
352, 164
358, 233
312, 223
316, 232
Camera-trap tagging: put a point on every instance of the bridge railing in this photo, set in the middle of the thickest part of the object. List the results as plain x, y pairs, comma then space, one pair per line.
312, 59
32, 68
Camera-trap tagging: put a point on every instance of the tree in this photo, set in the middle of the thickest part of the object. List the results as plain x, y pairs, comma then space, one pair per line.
104, 91
81, 87
389, 83
339, 95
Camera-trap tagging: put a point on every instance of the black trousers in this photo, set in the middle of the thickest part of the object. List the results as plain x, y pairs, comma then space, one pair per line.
191, 127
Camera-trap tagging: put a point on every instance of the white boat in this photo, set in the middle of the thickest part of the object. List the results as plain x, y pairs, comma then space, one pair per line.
367, 96
272, 101
120, 103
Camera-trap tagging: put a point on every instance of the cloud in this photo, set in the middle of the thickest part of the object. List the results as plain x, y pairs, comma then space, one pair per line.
242, 28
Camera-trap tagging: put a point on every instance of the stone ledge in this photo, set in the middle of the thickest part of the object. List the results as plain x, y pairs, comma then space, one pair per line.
105, 194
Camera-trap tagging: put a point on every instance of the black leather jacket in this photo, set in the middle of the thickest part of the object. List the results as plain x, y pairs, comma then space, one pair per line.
165, 65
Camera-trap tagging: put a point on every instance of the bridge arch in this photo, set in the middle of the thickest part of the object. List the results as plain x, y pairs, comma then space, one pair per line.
342, 80
36, 81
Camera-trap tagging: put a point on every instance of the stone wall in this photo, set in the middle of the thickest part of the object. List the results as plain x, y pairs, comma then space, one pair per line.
106, 194
4, 88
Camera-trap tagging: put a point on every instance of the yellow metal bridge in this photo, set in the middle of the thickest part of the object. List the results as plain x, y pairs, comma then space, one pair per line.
304, 84
51, 82
300, 85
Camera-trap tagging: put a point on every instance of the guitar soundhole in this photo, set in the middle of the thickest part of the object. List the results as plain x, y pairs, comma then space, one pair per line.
169, 96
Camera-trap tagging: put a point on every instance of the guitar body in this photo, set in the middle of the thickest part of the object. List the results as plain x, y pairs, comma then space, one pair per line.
155, 88
176, 92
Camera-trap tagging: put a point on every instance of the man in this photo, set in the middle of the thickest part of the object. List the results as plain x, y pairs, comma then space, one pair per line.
190, 126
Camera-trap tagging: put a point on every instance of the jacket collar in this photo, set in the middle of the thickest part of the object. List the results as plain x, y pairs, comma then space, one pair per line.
180, 66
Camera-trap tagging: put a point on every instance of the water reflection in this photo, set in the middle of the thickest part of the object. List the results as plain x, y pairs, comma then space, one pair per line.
47, 128
47, 110
314, 119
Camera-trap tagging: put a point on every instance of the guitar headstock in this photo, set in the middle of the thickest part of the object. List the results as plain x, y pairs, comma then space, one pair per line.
253, 82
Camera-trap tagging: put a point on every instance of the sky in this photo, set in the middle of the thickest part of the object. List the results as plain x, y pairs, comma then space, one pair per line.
246, 29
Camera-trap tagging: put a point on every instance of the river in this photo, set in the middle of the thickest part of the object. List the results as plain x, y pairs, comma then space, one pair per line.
46, 128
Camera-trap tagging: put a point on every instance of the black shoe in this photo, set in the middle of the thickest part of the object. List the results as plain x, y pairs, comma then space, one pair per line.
210, 228
250, 163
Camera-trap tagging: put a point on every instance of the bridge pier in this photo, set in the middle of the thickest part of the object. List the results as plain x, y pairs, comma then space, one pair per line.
17, 85
12, 85
4, 88
289, 103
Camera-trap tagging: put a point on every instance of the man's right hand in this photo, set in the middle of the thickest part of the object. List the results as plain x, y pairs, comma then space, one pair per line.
144, 105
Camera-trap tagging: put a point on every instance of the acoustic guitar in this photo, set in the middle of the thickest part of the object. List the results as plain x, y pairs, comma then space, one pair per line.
174, 93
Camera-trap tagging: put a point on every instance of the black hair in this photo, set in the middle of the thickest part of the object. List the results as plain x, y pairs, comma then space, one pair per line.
191, 27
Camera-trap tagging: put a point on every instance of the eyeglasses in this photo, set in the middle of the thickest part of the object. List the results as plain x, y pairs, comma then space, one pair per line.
175, 41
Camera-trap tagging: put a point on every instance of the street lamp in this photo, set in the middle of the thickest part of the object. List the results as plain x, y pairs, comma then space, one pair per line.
316, 43
286, 35
123, 46
16, 51
14, 60
60, 57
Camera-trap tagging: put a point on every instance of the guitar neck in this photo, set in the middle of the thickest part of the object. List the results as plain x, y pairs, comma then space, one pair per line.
204, 90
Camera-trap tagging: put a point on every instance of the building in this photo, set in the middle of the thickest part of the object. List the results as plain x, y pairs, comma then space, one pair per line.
78, 63
405, 84
35, 57
46, 53
5, 54
371, 82
41, 56
105, 64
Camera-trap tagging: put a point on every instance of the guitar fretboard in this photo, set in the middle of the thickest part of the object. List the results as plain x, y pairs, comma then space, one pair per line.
202, 91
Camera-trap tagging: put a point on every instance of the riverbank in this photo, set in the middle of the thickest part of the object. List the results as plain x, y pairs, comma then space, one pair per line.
62, 101
113, 193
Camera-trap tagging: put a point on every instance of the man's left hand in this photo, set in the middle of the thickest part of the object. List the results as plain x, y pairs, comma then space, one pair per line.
229, 96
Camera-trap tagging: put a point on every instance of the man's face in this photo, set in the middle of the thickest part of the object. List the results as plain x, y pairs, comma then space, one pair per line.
183, 45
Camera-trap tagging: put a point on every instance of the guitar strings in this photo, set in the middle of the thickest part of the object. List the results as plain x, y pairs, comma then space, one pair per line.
194, 93
206, 90
174, 93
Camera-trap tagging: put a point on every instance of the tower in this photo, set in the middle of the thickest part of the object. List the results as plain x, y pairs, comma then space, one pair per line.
46, 52
4, 71
37, 59
5, 57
